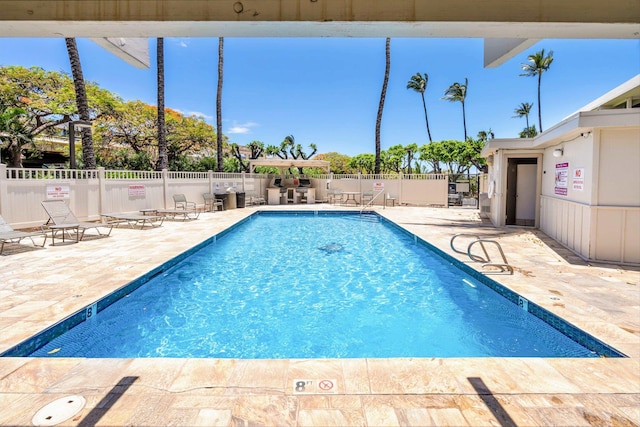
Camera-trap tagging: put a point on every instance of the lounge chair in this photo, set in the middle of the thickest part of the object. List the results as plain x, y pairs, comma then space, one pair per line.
9, 235
134, 220
61, 219
211, 203
180, 202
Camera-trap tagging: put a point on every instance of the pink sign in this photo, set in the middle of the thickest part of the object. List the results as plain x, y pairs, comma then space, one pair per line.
562, 179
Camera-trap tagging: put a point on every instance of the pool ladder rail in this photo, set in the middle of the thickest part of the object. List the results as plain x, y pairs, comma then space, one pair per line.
502, 267
370, 203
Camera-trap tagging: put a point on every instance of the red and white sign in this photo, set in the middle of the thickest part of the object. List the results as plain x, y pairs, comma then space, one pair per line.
136, 190
378, 186
57, 192
578, 179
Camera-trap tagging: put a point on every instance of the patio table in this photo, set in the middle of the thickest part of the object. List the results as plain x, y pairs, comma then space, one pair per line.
351, 195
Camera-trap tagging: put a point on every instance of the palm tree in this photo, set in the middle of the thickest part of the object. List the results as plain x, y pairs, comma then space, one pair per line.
418, 83
163, 161
538, 64
88, 155
219, 105
458, 93
523, 110
486, 135
383, 95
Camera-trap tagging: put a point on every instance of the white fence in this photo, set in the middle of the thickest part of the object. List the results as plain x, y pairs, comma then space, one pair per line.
93, 192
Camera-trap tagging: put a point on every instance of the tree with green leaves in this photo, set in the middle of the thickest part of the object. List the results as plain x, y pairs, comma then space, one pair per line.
363, 163
219, 103
523, 110
48, 99
339, 163
82, 103
538, 64
418, 83
163, 159
529, 132
457, 92
392, 159
383, 95
486, 135
410, 151
256, 147
13, 130
457, 156
430, 153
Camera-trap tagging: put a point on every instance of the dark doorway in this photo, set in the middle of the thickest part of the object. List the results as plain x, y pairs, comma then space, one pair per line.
521, 191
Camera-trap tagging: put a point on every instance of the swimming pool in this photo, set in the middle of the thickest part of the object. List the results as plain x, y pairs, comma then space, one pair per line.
356, 286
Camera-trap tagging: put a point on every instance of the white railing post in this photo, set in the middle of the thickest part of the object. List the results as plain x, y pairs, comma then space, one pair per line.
165, 187
210, 177
102, 192
243, 176
4, 195
400, 184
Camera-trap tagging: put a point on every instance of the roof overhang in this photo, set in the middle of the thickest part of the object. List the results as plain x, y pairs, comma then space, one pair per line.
507, 28
579, 124
289, 163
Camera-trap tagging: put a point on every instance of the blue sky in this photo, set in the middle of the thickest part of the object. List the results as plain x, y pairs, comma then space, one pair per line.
326, 90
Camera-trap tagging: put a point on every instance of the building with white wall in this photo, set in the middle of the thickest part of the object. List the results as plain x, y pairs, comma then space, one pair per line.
579, 181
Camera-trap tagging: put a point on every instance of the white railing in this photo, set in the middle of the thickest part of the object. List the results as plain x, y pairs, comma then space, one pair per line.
93, 192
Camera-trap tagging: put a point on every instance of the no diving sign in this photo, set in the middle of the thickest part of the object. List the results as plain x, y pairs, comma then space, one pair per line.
315, 386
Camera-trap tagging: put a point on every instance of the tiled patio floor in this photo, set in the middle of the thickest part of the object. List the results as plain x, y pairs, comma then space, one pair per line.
39, 287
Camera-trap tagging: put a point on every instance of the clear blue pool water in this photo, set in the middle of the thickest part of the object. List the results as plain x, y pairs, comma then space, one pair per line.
305, 286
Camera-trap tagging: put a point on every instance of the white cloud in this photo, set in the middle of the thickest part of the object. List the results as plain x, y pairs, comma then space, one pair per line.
194, 113
182, 42
241, 128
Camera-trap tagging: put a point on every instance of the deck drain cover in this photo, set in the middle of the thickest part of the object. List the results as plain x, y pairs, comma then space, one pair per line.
58, 411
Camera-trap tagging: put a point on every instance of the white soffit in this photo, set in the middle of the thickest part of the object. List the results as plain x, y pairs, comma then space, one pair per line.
134, 51
499, 51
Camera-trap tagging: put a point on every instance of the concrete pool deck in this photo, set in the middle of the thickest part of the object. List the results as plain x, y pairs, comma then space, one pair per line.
40, 286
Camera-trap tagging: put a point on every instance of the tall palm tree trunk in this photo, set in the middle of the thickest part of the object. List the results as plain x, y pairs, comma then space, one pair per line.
383, 95
220, 162
426, 119
464, 120
88, 155
163, 161
539, 107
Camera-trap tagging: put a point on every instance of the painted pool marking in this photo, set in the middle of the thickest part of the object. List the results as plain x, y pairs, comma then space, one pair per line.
315, 386
326, 385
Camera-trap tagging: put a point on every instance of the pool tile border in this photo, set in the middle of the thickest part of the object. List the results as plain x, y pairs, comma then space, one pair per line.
31, 344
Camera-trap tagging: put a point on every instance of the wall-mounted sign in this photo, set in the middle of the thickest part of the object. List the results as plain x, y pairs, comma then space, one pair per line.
378, 186
136, 190
577, 180
562, 178
58, 192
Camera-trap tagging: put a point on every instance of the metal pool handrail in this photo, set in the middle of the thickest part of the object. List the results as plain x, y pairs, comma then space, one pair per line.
371, 201
504, 266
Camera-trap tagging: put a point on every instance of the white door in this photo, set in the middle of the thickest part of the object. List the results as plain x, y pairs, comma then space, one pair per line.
526, 195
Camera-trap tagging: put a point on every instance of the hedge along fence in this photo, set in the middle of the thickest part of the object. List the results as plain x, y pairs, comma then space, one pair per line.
90, 193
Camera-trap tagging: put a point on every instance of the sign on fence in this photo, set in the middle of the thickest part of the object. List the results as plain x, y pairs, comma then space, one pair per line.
378, 186
57, 192
136, 190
